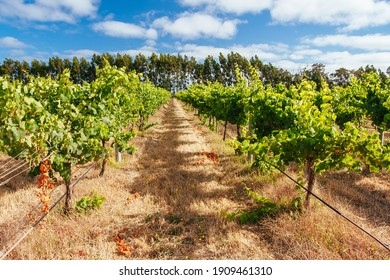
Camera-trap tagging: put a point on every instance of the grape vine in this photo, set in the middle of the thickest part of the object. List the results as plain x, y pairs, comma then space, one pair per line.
54, 122
319, 130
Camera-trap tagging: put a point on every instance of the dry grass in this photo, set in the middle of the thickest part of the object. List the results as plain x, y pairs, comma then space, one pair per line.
320, 233
168, 202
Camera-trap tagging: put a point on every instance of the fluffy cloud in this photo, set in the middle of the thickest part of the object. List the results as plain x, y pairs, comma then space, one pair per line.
48, 10
124, 30
347, 14
335, 60
293, 58
12, 43
303, 56
194, 26
230, 6
263, 51
145, 50
86, 53
370, 42
278, 54
76, 7
201, 52
302, 52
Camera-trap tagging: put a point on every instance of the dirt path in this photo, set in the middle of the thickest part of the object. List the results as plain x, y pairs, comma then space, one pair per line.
173, 168
187, 197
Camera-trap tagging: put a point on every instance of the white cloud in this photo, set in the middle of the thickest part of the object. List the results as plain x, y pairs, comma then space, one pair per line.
198, 25
292, 59
230, 6
348, 14
48, 10
12, 43
335, 60
370, 42
302, 56
290, 65
86, 53
303, 52
145, 50
124, 30
201, 52
263, 51
76, 7
277, 54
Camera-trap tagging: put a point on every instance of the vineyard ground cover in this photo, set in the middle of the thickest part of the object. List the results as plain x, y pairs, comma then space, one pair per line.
166, 202
365, 197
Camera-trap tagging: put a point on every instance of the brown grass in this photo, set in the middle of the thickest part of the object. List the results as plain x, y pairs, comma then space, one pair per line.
168, 202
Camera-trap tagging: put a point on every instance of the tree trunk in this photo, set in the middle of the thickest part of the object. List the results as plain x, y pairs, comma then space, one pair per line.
104, 161
68, 197
238, 131
69, 191
310, 180
216, 125
141, 123
224, 130
103, 167
250, 133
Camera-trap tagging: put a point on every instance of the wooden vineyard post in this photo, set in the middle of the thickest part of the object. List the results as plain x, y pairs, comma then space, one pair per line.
118, 155
382, 137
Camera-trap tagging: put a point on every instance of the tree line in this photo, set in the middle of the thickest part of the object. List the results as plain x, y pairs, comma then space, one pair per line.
176, 72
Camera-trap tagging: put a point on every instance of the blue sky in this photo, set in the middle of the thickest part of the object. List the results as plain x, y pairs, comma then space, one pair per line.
291, 34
